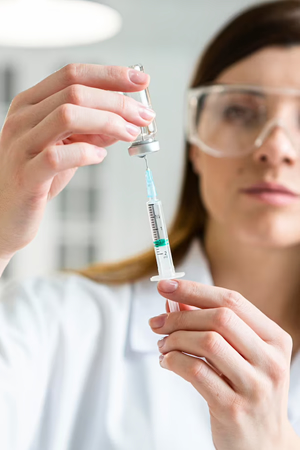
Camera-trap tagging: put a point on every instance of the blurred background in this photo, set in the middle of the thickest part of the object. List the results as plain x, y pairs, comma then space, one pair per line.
101, 215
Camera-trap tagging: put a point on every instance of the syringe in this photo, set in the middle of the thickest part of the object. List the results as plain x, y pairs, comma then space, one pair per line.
144, 145
166, 270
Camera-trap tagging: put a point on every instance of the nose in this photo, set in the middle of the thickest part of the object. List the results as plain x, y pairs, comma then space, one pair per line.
275, 146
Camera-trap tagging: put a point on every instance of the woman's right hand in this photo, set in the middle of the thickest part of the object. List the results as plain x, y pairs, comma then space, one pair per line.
51, 129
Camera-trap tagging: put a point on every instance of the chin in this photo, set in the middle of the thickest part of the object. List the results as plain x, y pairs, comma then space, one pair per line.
268, 232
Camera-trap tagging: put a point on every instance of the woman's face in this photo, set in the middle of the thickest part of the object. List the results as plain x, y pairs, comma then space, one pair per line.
247, 217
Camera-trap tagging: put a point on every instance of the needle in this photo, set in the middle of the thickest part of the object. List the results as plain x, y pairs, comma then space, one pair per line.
146, 162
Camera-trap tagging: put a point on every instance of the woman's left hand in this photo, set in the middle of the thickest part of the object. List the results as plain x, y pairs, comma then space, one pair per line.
245, 380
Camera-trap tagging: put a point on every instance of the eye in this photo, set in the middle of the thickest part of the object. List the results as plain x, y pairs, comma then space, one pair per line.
239, 113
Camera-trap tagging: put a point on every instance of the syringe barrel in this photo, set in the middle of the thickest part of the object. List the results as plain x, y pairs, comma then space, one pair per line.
160, 239
146, 141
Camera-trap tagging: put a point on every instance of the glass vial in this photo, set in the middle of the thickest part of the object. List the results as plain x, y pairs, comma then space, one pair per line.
145, 143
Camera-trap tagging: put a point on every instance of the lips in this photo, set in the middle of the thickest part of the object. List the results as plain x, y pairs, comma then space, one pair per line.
272, 188
272, 194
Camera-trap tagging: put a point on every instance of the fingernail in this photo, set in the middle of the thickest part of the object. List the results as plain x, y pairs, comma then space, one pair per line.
101, 152
167, 286
132, 129
161, 342
147, 113
161, 361
159, 321
137, 77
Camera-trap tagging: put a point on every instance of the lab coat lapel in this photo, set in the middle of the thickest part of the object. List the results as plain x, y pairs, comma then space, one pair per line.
294, 393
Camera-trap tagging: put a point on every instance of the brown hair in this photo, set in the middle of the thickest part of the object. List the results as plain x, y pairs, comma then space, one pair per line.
275, 23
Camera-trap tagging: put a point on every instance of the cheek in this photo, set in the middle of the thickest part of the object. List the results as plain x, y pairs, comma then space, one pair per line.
217, 187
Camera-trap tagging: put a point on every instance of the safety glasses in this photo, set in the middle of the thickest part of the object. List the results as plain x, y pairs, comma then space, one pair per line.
227, 120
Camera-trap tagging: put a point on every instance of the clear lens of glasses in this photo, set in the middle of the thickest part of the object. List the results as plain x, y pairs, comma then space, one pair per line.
228, 120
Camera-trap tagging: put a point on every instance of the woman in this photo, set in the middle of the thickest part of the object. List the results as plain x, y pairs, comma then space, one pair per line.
78, 361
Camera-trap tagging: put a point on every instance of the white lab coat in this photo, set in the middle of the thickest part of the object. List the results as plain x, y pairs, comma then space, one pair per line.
79, 369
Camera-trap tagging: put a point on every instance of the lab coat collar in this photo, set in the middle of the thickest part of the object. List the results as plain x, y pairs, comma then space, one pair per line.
147, 303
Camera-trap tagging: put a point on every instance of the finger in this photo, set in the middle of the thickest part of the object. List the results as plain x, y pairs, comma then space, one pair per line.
205, 296
113, 78
57, 158
214, 389
99, 140
131, 110
223, 321
69, 119
212, 345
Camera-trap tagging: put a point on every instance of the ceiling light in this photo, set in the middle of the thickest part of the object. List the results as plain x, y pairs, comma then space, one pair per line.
56, 23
